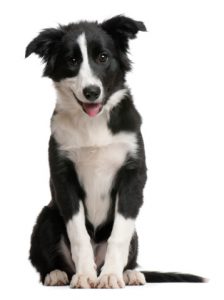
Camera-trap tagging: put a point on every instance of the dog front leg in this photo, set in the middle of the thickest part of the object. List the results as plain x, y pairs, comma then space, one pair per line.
82, 252
117, 253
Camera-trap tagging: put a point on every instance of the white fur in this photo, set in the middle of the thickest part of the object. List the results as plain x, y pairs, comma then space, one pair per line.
81, 249
111, 281
96, 153
82, 281
56, 277
115, 99
133, 277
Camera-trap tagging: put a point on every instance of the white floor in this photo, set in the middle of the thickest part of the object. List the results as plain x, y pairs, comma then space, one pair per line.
149, 291
25, 285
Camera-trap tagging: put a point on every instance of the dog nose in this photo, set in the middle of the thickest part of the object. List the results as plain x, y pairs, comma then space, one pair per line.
91, 92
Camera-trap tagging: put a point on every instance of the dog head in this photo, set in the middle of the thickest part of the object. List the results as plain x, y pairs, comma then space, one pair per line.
87, 61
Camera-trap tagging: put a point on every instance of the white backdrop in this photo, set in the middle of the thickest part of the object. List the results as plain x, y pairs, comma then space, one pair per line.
177, 83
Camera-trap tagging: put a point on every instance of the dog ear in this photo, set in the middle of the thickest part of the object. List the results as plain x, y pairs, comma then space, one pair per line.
122, 29
45, 43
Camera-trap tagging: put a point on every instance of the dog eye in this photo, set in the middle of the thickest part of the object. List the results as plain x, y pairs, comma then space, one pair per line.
73, 61
102, 58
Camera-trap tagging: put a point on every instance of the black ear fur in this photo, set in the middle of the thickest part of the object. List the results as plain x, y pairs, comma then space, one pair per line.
45, 43
122, 29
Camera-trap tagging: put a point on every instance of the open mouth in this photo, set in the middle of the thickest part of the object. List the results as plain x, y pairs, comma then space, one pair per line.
91, 109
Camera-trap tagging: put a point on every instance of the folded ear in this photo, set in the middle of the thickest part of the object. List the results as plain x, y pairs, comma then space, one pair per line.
122, 29
45, 43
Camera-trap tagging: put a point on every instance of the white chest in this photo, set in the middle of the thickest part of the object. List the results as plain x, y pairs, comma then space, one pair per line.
97, 155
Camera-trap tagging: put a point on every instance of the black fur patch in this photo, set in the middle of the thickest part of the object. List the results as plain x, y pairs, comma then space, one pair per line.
124, 117
65, 187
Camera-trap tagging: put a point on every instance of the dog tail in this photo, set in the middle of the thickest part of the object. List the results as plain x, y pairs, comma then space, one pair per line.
171, 277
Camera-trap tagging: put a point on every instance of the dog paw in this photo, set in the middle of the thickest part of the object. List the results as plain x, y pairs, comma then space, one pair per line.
110, 281
82, 281
56, 278
133, 277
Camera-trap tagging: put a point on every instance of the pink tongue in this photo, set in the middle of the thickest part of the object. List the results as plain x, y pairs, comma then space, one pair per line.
91, 109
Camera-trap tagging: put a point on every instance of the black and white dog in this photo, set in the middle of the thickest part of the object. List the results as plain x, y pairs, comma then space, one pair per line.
86, 235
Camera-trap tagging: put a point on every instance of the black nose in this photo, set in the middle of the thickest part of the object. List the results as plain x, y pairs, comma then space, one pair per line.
91, 92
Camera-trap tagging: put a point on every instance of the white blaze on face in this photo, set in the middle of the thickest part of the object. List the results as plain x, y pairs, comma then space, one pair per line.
86, 75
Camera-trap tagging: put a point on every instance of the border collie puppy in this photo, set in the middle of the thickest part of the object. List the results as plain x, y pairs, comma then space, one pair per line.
86, 235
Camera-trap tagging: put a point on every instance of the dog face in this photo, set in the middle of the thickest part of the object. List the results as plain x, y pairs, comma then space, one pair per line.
87, 61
